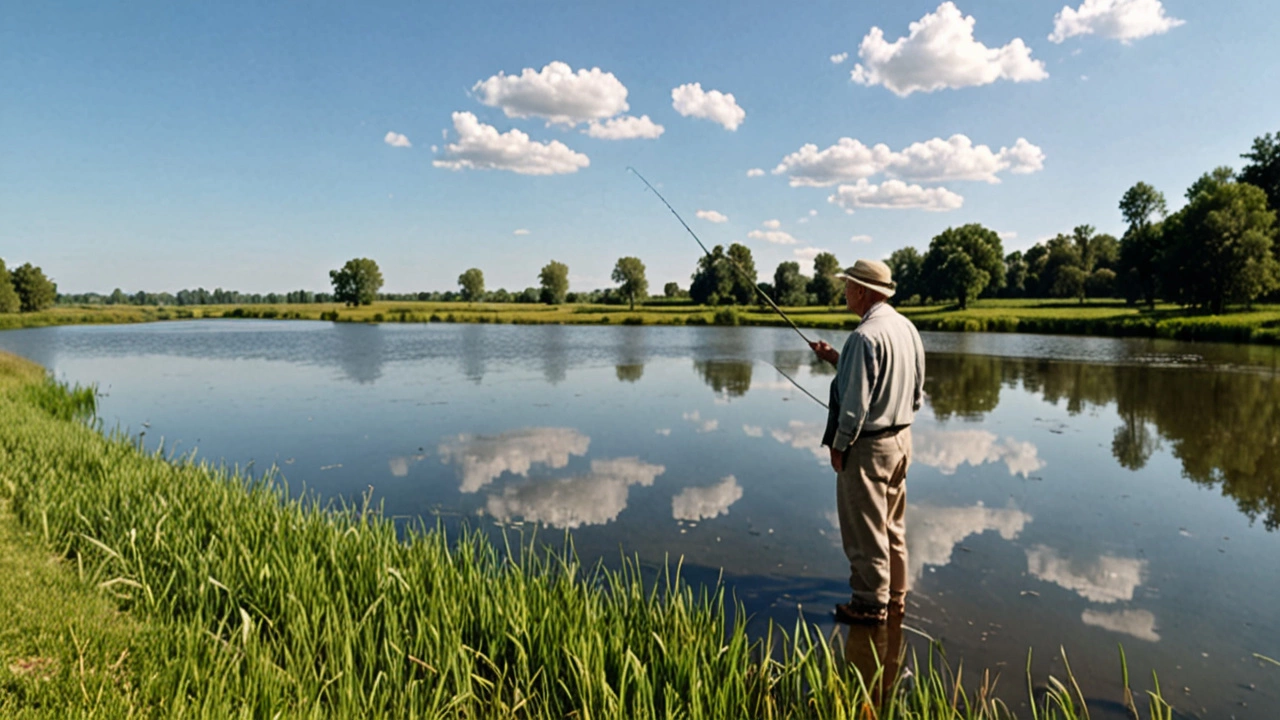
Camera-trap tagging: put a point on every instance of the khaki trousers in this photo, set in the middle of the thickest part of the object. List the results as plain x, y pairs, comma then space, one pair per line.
871, 500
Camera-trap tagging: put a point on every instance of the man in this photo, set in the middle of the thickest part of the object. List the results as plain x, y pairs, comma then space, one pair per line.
878, 388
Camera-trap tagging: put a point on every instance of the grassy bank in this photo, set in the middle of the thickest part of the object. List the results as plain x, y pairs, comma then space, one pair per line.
1099, 317
237, 601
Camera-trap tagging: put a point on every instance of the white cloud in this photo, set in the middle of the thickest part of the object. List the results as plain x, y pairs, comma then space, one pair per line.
568, 503
521, 231
807, 253
754, 431
1008, 235
947, 450
482, 147
690, 100
934, 532
839, 58
704, 503
1136, 623
399, 466
625, 128
711, 216
772, 224
663, 431
803, 436
556, 93
482, 458
435, 148
1123, 20
941, 52
777, 237
703, 426
813, 213
894, 195
755, 172
935, 160
395, 139
1106, 579
860, 239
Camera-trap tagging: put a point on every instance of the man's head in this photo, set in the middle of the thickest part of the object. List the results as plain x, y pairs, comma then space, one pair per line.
866, 283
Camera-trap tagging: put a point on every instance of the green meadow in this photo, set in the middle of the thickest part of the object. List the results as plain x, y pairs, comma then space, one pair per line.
142, 585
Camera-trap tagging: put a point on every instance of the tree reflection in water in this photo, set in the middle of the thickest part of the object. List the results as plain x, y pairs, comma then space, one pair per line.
1222, 425
726, 377
629, 373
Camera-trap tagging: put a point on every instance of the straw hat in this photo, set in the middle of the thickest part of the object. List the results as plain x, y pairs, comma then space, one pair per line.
871, 274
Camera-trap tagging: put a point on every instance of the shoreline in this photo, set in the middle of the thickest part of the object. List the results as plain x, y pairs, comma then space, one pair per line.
1260, 326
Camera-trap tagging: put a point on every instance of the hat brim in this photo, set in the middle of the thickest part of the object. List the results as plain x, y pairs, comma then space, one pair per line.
883, 290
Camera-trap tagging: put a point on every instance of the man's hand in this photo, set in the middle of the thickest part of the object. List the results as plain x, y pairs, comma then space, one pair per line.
825, 351
837, 460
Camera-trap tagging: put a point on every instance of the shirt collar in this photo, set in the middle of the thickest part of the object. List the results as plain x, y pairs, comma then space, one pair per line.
873, 310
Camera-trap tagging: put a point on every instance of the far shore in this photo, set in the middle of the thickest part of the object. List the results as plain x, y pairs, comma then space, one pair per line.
1261, 324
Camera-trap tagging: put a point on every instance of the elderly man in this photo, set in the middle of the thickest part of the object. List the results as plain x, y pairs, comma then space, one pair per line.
877, 390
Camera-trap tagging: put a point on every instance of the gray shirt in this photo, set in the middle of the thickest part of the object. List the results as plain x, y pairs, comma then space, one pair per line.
879, 380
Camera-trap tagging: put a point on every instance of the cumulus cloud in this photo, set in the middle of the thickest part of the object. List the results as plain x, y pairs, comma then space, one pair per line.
1106, 579
482, 147
807, 253
704, 503
947, 450
1136, 623
754, 431
935, 160
399, 466
482, 458
702, 426
894, 195
772, 224
1123, 20
860, 239
803, 436
934, 532
755, 172
1008, 235
395, 139
777, 237
567, 503
625, 128
521, 231
941, 52
691, 100
556, 92
711, 216
839, 58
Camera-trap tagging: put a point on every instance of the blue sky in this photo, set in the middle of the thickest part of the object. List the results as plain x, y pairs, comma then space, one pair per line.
253, 145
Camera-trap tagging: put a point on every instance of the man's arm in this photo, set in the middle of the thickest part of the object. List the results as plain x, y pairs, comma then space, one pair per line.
855, 393
919, 389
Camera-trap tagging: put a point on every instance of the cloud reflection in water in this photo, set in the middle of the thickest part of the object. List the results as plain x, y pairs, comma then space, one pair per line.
1107, 579
947, 450
934, 532
482, 458
702, 503
1137, 623
592, 499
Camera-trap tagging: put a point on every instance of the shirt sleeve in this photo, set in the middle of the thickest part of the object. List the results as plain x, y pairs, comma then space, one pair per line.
855, 395
919, 389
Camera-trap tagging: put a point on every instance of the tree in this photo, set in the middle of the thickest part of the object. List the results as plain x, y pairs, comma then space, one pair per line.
906, 265
1220, 249
712, 282
825, 286
554, 279
964, 262
1101, 283
472, 282
1263, 169
1217, 177
789, 286
743, 269
630, 273
1069, 282
1143, 245
671, 290
1105, 250
9, 300
35, 291
1015, 275
357, 283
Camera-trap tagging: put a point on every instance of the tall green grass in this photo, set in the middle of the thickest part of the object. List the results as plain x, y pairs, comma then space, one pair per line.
276, 606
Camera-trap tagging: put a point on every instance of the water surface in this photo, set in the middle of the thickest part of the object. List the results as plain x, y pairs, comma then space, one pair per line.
1073, 492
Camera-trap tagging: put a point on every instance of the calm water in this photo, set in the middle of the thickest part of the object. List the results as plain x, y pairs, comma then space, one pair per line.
1075, 492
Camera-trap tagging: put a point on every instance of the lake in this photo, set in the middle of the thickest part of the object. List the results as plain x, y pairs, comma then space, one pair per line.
1065, 492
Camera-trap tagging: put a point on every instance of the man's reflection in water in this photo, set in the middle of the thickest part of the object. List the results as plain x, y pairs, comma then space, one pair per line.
876, 648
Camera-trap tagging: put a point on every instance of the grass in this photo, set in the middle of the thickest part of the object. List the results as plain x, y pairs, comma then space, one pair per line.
235, 600
1097, 317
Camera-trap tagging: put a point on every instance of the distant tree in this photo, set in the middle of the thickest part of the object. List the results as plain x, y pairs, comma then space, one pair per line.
529, 295
907, 267
1015, 275
357, 283
472, 283
1263, 169
35, 291
1069, 281
1101, 283
712, 282
825, 286
1221, 246
500, 296
1211, 180
1142, 247
671, 290
744, 274
1037, 259
964, 262
629, 272
1142, 205
9, 300
554, 278
1105, 252
789, 286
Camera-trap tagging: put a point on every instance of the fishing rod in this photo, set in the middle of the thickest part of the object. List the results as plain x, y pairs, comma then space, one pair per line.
752, 280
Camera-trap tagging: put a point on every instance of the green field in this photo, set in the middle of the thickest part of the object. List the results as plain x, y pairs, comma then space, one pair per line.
135, 585
1099, 317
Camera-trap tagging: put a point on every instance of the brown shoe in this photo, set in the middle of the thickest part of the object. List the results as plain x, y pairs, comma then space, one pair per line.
857, 614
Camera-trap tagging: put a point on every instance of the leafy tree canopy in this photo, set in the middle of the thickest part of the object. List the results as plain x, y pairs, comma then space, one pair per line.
472, 282
9, 301
789, 286
35, 291
629, 272
1263, 169
554, 279
357, 283
964, 262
